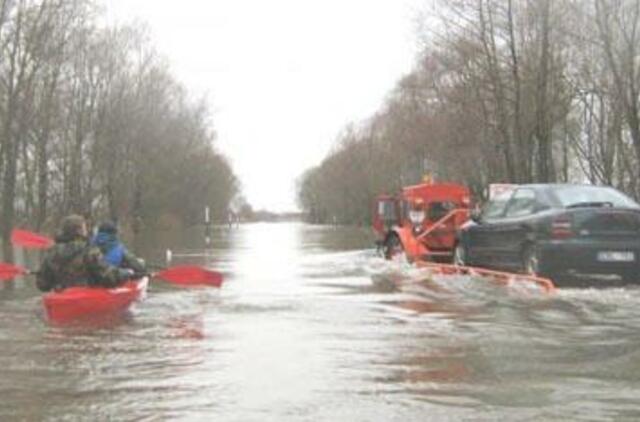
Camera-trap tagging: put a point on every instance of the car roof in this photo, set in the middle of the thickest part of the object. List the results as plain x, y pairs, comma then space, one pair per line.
546, 191
559, 185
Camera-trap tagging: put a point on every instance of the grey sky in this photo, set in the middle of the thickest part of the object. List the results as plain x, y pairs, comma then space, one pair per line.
283, 76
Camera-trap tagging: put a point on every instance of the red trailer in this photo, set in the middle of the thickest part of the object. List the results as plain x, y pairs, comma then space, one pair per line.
421, 222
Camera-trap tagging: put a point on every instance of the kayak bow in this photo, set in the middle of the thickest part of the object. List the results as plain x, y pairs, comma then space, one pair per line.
81, 301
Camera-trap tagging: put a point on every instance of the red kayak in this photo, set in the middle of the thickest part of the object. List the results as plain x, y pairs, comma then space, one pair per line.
77, 302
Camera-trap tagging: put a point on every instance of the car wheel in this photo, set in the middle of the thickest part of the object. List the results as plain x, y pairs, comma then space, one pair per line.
393, 249
530, 261
459, 255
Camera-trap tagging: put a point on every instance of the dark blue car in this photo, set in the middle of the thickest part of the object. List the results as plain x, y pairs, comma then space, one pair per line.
556, 230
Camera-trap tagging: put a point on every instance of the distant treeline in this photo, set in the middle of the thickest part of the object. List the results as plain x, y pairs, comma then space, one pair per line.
93, 122
504, 91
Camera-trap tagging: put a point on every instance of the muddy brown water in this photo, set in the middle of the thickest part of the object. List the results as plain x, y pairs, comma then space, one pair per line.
312, 326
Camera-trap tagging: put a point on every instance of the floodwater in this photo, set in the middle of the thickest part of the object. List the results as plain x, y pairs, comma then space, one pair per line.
312, 326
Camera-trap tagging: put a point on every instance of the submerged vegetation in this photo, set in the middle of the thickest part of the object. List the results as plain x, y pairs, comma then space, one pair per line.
93, 122
503, 91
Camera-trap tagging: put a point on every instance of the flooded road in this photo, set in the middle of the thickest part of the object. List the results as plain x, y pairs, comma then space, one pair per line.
312, 326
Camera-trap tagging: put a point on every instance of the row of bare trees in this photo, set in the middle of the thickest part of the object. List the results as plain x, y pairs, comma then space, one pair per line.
504, 91
92, 122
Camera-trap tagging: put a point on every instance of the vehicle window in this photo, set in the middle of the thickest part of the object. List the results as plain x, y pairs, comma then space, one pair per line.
523, 202
495, 207
405, 209
575, 196
387, 210
438, 210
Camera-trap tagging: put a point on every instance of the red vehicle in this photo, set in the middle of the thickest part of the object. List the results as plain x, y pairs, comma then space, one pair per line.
421, 222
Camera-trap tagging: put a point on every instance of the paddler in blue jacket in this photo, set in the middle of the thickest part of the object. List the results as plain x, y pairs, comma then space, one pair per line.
115, 253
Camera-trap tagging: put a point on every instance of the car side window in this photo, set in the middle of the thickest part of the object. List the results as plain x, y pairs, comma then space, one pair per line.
495, 207
522, 203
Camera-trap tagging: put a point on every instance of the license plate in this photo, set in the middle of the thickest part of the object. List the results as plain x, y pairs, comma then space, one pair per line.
615, 256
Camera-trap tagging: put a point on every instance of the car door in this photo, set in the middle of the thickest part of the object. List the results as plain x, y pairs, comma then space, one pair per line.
478, 238
514, 227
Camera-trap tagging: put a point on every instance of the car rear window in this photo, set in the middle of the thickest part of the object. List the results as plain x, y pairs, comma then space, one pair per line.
573, 196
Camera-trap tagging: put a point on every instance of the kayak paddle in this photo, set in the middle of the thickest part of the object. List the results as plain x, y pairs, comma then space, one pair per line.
30, 240
190, 275
10, 271
183, 275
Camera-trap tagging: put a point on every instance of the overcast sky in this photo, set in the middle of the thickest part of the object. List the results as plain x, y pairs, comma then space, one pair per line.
283, 77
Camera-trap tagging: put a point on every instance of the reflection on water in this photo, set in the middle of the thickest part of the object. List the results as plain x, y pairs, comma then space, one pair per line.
311, 325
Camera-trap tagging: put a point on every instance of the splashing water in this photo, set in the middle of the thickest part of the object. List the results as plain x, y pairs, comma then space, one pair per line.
312, 325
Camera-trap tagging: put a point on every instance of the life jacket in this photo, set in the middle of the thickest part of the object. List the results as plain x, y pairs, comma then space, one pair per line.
111, 248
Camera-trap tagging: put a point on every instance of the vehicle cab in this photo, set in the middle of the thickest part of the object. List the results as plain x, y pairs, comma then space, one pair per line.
422, 220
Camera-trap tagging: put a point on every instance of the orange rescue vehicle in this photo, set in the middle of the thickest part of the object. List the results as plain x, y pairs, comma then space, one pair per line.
421, 222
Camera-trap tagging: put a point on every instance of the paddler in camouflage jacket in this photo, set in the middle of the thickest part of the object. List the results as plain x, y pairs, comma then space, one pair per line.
72, 261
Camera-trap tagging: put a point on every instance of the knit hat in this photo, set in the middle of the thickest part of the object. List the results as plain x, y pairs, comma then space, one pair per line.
72, 225
108, 227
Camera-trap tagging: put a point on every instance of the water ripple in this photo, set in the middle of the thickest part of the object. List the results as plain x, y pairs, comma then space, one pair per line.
312, 325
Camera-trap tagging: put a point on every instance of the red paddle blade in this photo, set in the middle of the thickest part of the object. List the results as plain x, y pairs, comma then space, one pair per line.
10, 271
191, 275
30, 240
